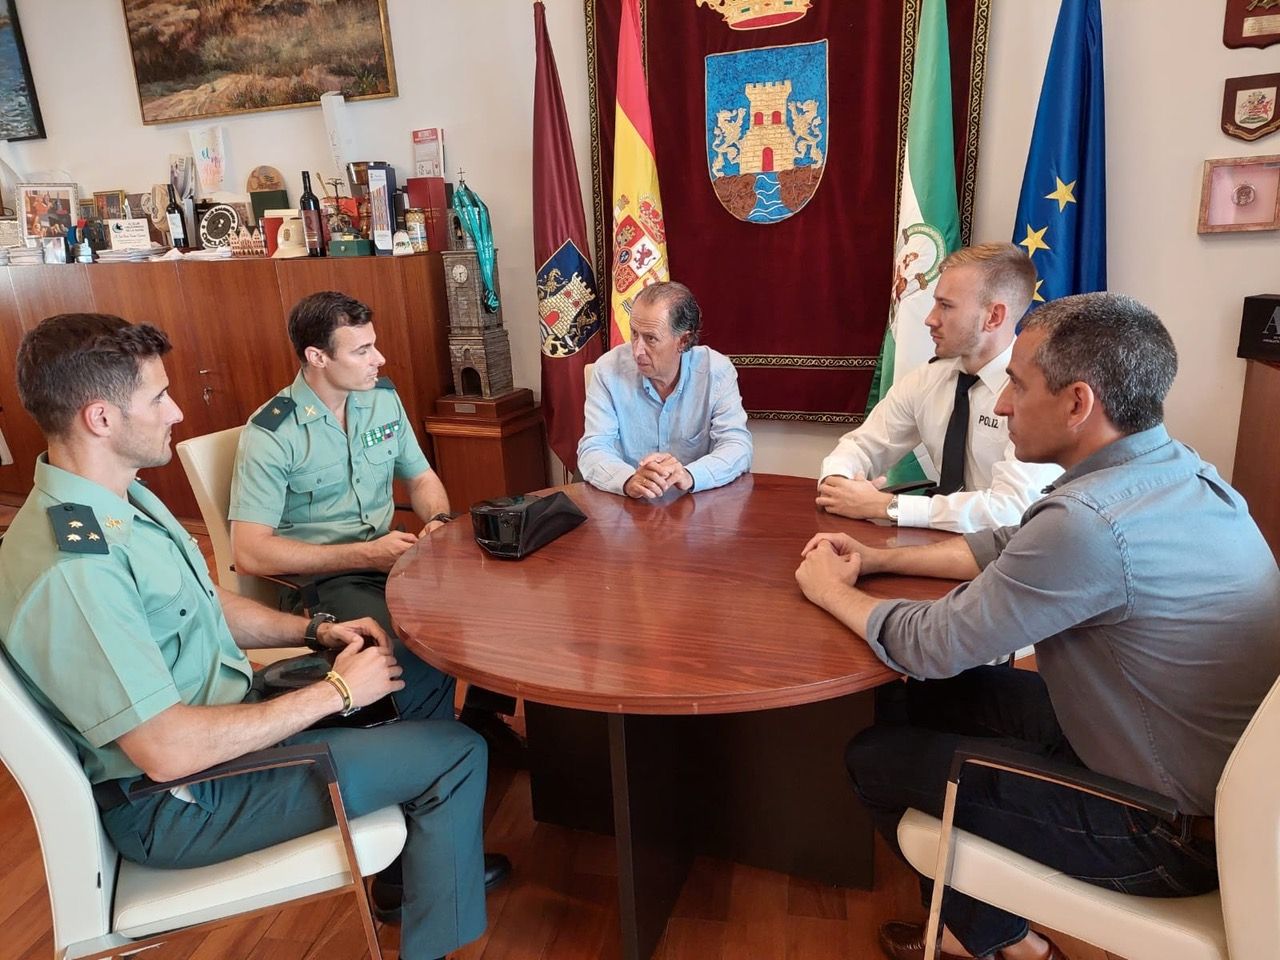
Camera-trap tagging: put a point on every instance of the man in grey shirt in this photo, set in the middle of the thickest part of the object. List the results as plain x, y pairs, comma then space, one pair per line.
1152, 598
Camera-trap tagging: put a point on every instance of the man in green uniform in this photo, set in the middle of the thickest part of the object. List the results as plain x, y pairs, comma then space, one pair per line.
108, 614
312, 498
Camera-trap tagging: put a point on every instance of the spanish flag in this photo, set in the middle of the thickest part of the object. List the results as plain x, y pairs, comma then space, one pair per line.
639, 236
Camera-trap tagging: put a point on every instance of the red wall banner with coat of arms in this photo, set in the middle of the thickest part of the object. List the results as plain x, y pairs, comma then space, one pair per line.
778, 127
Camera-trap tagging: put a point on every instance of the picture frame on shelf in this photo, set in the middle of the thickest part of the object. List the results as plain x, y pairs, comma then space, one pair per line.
88, 209
47, 209
264, 61
20, 117
110, 204
1240, 194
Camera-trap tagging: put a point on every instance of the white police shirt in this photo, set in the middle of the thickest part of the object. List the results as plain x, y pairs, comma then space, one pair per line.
998, 487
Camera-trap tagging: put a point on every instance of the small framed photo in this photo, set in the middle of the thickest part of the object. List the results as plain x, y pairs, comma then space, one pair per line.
88, 209
110, 204
1240, 193
47, 209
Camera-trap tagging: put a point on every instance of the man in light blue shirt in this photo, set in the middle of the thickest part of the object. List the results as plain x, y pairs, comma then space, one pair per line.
662, 411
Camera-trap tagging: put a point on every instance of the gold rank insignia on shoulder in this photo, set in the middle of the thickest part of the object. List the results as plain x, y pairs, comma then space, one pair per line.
371, 438
75, 527
114, 523
273, 414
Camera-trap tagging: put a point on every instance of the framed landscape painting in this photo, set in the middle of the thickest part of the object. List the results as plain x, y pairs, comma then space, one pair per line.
19, 111
197, 59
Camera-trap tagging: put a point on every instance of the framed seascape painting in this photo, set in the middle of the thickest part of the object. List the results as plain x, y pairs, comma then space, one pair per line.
19, 111
193, 58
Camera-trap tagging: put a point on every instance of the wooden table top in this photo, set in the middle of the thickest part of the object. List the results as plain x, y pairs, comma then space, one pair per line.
671, 607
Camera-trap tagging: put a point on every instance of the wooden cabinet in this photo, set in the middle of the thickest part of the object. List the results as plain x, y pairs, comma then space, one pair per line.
489, 448
1258, 449
231, 349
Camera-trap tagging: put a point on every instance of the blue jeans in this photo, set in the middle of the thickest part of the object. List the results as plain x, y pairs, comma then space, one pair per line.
904, 759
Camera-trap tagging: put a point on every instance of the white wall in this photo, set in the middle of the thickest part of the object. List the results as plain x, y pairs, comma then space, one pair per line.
468, 66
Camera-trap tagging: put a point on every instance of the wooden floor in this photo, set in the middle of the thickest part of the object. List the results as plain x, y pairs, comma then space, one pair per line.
559, 905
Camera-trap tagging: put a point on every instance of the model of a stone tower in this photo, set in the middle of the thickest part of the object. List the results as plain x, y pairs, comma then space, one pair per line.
479, 350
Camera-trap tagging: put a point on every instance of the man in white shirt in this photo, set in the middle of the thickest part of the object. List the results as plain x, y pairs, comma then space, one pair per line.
948, 405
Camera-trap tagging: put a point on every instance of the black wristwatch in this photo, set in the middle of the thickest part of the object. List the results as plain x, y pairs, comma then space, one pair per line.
309, 637
442, 517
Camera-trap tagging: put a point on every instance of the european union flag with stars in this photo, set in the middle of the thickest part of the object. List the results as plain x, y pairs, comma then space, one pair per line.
1062, 213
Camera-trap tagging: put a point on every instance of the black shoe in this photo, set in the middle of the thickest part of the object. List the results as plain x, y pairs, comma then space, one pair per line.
497, 868
385, 896
506, 747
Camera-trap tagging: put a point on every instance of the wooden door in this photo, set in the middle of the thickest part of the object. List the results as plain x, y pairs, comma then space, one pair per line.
22, 436
234, 312
152, 293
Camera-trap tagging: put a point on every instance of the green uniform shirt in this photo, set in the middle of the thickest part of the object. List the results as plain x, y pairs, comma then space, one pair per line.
308, 479
107, 640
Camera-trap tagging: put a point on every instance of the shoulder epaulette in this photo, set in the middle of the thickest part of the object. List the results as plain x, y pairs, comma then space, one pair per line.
272, 415
384, 383
76, 529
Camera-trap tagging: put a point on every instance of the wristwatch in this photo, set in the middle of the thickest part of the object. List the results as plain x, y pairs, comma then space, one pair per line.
442, 517
891, 509
313, 628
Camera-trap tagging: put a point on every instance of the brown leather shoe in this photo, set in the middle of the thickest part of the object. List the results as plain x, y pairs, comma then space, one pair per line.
905, 941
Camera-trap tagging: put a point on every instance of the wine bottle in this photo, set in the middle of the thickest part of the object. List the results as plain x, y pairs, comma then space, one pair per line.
309, 209
177, 223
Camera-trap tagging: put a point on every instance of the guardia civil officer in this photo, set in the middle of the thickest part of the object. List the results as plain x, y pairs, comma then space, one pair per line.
109, 616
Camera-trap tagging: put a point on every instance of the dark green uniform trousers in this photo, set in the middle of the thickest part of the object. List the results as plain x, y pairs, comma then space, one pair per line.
434, 768
349, 596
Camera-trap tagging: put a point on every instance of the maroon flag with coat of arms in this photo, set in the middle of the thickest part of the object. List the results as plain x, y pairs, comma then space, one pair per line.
569, 309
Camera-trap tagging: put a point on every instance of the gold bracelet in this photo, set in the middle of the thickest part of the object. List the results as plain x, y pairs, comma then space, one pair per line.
334, 678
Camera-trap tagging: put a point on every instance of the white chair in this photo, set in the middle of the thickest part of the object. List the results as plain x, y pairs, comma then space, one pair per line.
208, 462
104, 906
1240, 921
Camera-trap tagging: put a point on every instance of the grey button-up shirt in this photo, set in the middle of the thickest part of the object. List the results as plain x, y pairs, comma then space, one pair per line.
1154, 601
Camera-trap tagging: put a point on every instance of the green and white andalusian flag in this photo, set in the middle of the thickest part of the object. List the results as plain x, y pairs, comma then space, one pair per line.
928, 218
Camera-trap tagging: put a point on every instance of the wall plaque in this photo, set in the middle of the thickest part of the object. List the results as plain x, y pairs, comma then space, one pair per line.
1249, 106
1252, 23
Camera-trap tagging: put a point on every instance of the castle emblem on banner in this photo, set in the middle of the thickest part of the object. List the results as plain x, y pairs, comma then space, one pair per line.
767, 138
567, 309
638, 238
757, 14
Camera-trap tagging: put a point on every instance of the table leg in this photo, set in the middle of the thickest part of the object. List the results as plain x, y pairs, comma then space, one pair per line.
766, 788
653, 828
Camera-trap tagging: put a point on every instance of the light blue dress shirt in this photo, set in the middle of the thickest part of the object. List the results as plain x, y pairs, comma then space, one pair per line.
702, 424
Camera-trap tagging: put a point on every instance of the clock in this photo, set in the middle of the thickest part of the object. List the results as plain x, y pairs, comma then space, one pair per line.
218, 225
459, 273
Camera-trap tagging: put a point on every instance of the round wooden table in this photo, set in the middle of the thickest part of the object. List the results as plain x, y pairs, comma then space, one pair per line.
673, 674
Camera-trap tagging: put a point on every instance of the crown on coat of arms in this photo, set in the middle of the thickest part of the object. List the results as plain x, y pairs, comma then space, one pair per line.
757, 14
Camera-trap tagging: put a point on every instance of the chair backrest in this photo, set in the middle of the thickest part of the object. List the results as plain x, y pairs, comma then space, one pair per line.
1247, 819
79, 860
209, 462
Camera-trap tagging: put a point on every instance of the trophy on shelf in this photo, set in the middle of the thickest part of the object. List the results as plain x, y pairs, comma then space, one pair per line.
488, 434
479, 350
